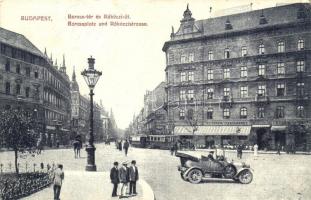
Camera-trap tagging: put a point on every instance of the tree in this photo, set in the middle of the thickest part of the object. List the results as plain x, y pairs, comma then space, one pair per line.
17, 130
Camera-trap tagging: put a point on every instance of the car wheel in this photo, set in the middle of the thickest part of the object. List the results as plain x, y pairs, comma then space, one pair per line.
229, 171
245, 177
195, 176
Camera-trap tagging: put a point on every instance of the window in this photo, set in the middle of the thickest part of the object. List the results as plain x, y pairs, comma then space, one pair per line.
243, 71
182, 58
280, 69
210, 75
181, 114
261, 49
300, 66
190, 76
191, 57
226, 113
210, 113
7, 88
27, 91
27, 71
301, 44
280, 90
226, 92
280, 112
36, 74
281, 47
227, 53
261, 112
18, 68
18, 89
7, 65
261, 90
190, 95
226, 73
182, 95
244, 51
300, 111
261, 70
210, 55
243, 113
183, 76
300, 88
210, 93
243, 91
2, 48
190, 114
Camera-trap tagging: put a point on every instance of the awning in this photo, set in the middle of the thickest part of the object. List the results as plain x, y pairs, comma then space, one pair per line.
261, 125
213, 130
50, 127
278, 128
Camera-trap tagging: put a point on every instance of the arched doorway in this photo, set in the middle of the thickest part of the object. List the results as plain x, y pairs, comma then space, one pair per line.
262, 138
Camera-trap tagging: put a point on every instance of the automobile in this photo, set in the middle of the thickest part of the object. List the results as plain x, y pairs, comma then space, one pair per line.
196, 168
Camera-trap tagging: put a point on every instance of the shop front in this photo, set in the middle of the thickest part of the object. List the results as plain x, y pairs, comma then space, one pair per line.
212, 136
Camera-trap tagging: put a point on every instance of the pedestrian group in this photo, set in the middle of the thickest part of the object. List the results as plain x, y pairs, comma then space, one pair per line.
126, 176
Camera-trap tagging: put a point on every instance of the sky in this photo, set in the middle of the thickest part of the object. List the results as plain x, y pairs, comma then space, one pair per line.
130, 58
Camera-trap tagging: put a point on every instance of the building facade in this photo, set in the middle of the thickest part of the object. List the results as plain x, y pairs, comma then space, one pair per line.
242, 78
30, 80
155, 114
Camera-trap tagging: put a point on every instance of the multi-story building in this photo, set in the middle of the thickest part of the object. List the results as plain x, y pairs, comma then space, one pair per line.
243, 77
80, 109
155, 114
30, 80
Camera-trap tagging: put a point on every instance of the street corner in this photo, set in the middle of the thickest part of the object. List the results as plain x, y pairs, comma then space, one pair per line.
147, 191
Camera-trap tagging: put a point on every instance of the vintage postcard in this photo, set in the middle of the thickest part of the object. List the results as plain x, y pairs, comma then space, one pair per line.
155, 99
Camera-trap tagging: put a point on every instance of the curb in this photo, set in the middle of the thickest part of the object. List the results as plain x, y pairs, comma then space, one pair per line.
259, 152
147, 190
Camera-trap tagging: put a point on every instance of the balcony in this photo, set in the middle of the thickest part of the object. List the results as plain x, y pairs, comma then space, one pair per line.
226, 101
261, 99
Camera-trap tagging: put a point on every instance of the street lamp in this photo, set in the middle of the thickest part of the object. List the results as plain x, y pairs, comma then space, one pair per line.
91, 77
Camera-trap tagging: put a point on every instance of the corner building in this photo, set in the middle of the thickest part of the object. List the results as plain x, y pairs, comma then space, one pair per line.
30, 80
241, 78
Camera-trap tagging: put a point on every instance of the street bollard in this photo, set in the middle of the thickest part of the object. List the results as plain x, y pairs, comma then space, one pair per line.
18, 166
34, 167
10, 166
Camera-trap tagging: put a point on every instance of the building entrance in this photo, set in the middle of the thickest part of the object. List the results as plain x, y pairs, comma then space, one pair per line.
262, 138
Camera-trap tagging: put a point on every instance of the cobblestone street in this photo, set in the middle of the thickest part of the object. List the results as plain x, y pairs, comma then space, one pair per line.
273, 174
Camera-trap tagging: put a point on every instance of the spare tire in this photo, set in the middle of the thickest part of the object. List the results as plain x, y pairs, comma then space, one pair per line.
229, 171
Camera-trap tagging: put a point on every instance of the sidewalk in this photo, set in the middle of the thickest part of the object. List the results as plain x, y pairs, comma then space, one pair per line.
91, 186
259, 152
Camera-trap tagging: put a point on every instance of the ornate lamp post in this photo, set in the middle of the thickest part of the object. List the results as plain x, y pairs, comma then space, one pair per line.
91, 77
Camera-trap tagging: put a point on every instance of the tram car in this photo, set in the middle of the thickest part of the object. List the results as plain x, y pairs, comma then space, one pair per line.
160, 141
138, 141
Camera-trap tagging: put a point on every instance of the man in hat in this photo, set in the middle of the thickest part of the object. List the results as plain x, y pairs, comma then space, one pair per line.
133, 174
124, 179
114, 177
210, 155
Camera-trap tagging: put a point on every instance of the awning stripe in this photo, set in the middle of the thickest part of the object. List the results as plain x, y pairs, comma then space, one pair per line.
278, 128
213, 130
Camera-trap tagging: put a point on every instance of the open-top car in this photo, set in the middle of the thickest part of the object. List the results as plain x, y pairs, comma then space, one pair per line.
194, 168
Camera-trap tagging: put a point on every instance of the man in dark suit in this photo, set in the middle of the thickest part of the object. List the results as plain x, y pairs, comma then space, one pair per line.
133, 176
114, 177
